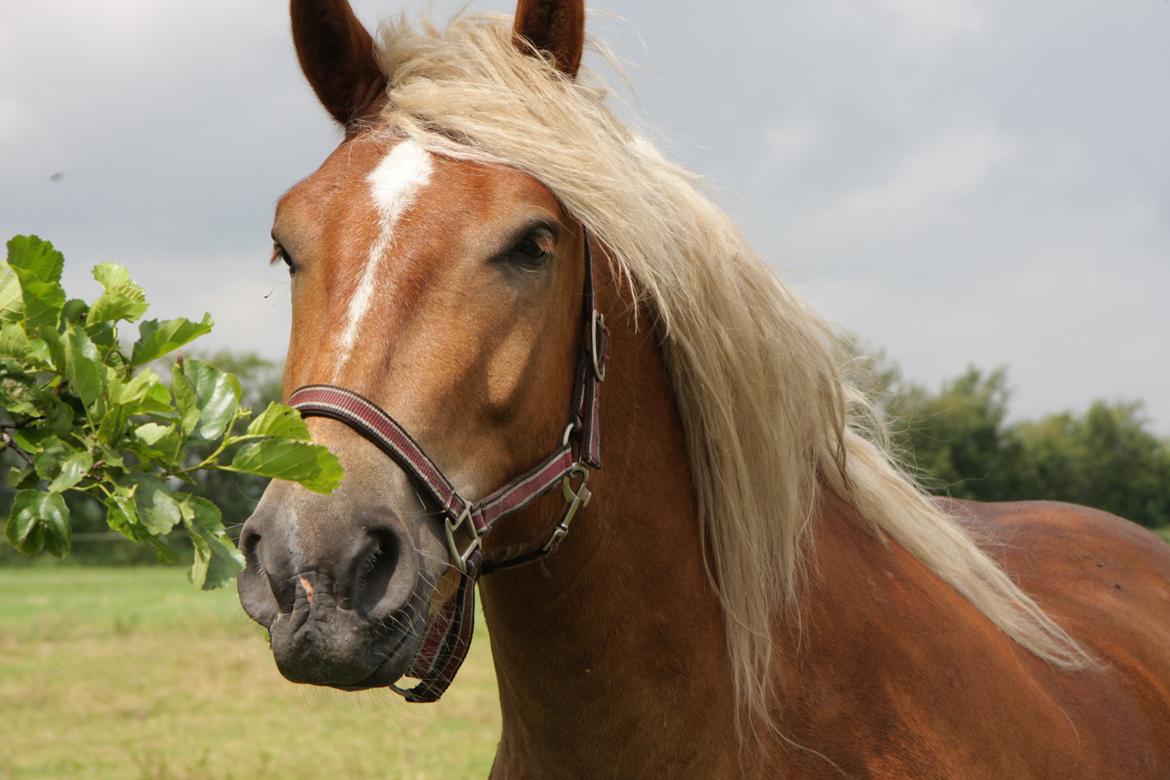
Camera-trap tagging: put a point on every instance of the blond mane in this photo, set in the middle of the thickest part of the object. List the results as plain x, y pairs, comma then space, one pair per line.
769, 420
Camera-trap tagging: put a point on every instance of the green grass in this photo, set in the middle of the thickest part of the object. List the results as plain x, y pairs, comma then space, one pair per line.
132, 673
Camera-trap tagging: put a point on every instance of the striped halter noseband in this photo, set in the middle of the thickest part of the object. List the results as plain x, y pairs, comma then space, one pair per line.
466, 523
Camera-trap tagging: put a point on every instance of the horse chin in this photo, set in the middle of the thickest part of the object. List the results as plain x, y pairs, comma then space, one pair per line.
340, 648
391, 670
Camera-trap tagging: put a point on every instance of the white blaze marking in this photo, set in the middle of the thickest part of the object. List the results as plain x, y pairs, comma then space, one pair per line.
394, 184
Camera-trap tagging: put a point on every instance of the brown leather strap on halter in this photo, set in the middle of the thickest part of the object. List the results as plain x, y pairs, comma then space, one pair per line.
466, 523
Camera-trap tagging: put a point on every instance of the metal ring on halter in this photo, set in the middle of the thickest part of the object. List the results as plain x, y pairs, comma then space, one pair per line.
596, 326
460, 558
577, 498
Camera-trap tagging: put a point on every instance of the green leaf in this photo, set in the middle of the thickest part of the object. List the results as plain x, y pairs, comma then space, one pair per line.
122, 514
157, 400
52, 453
157, 442
56, 341
112, 458
23, 477
39, 520
105, 335
61, 463
60, 417
72, 470
143, 394
19, 395
14, 342
122, 299
11, 304
38, 267
74, 310
113, 426
153, 433
135, 390
158, 511
31, 440
207, 398
83, 366
217, 561
309, 464
157, 338
163, 551
280, 420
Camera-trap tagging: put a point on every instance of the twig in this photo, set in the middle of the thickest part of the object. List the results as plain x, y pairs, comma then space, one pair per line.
11, 445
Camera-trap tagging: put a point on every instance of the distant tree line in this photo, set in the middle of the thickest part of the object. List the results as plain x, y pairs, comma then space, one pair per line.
960, 442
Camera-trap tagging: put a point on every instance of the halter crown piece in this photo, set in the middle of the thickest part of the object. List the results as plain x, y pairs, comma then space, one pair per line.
466, 523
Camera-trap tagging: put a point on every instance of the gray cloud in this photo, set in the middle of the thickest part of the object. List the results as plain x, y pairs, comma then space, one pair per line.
956, 181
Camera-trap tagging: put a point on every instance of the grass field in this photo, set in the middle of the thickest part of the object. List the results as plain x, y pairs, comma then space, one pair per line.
131, 673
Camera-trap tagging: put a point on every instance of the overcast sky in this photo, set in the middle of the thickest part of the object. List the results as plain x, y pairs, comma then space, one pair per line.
955, 181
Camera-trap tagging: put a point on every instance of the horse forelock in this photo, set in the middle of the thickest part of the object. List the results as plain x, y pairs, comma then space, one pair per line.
769, 420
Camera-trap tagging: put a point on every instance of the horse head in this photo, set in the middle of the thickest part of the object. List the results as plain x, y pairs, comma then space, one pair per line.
444, 291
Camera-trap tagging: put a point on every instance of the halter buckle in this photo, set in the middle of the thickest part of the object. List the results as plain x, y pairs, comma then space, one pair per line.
460, 559
577, 498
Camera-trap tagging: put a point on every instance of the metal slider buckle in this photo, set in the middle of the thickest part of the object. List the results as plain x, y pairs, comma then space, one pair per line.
596, 327
459, 559
577, 499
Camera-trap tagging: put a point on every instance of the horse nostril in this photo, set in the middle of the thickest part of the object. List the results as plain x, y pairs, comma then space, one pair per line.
249, 547
255, 589
373, 595
262, 586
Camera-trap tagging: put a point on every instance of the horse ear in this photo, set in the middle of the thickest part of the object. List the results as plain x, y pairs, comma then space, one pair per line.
337, 56
554, 26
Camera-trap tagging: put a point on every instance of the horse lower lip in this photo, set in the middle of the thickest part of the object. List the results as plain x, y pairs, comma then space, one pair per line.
380, 677
337, 648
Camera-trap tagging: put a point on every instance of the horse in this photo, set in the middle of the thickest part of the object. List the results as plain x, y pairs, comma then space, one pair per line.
716, 568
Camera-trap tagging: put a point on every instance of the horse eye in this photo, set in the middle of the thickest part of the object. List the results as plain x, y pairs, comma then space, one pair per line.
531, 252
529, 248
280, 253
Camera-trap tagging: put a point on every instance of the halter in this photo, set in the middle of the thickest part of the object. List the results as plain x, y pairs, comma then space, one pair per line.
467, 523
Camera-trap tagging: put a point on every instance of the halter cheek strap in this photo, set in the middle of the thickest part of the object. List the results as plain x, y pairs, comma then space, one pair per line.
466, 523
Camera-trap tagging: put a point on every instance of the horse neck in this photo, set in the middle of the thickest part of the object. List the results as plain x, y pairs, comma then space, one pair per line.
611, 655
617, 640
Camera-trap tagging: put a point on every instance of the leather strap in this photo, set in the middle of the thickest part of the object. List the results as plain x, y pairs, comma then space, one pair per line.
449, 632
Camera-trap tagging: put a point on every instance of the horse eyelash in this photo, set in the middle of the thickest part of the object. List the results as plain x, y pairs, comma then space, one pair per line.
279, 253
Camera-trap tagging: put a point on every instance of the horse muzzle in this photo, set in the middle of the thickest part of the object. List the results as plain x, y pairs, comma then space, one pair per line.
345, 602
